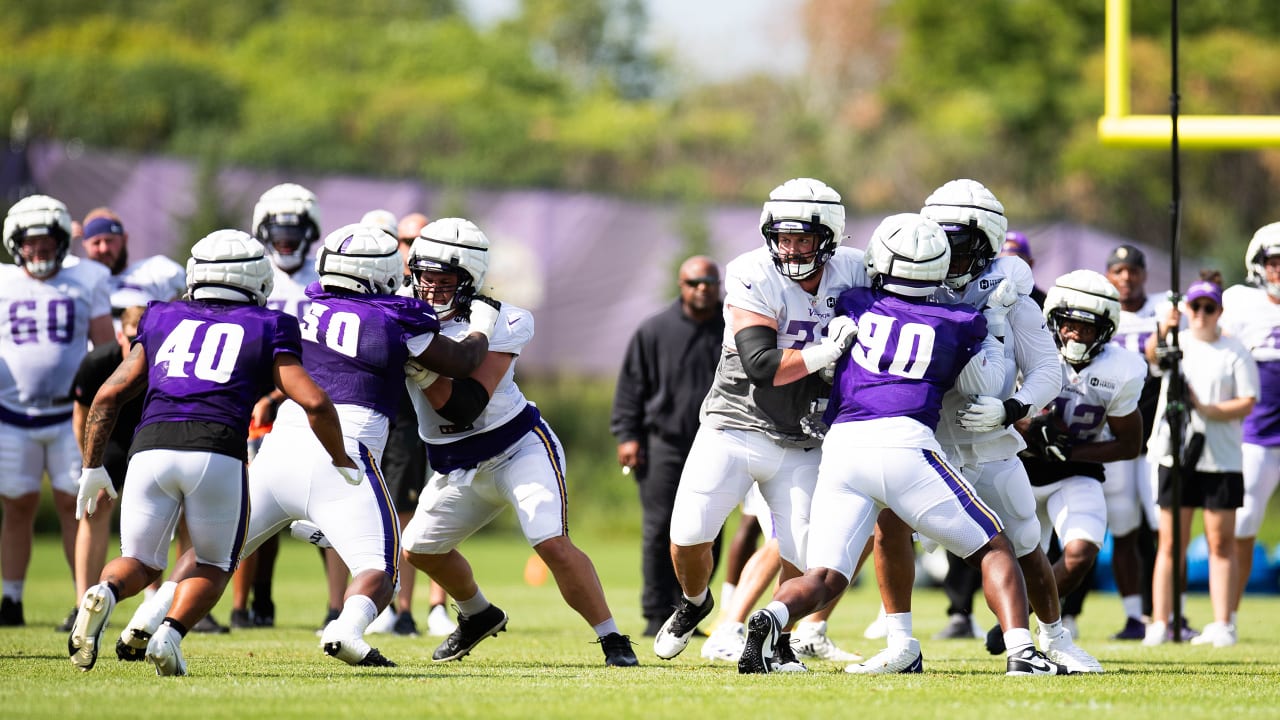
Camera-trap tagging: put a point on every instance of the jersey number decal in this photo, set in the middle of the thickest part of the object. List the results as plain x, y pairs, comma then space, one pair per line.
215, 353
25, 322
341, 329
1085, 421
912, 353
805, 330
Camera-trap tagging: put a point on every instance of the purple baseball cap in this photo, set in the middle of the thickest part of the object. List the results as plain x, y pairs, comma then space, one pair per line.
1015, 243
1204, 289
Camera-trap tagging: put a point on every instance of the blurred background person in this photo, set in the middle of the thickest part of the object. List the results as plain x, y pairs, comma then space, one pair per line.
668, 368
132, 283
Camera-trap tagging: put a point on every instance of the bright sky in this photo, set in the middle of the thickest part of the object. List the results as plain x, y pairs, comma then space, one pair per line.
710, 39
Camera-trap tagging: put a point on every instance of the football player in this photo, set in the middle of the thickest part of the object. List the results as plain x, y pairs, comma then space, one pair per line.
488, 448
203, 362
886, 401
778, 301
52, 307
976, 435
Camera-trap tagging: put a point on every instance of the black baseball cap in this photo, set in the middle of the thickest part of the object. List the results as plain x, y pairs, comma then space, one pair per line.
1127, 255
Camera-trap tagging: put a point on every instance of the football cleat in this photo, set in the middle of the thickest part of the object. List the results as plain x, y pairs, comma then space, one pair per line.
809, 640
11, 613
674, 636
1216, 634
617, 650
91, 621
763, 631
726, 642
438, 623
164, 651
905, 658
132, 644
1063, 650
470, 631
69, 622
209, 626
878, 628
343, 642
959, 627
1030, 661
785, 660
1134, 629
406, 626
995, 640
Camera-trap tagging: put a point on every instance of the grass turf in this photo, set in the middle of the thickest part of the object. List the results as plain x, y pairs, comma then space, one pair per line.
546, 666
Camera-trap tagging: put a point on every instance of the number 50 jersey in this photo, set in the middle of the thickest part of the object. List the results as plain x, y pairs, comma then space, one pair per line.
211, 361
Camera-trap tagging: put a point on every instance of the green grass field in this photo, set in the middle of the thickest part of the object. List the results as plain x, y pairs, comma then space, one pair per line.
545, 666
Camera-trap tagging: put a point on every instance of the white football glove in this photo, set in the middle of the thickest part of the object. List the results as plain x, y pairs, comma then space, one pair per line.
999, 302
309, 532
420, 376
91, 481
841, 332
353, 476
984, 413
484, 315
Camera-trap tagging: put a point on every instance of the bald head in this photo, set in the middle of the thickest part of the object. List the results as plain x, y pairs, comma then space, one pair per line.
410, 225
699, 287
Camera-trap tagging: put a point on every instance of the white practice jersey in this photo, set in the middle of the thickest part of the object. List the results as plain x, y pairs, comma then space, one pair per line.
1029, 352
752, 282
1135, 327
1109, 386
513, 332
44, 329
289, 293
153, 278
1250, 316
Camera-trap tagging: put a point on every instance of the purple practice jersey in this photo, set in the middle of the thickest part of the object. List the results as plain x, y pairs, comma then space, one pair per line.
211, 361
355, 344
907, 354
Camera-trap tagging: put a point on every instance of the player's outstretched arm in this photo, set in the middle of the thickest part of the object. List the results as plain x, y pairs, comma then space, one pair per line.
460, 358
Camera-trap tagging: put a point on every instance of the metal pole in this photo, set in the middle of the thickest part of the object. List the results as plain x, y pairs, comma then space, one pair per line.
1177, 409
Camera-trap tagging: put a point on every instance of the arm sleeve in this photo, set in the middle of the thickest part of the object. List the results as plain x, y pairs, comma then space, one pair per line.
467, 400
627, 421
759, 352
1036, 355
984, 373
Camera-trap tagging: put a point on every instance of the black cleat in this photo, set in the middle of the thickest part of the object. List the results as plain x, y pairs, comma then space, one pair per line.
375, 659
471, 630
11, 613
763, 633
674, 636
241, 619
68, 623
1030, 661
617, 650
995, 640
209, 626
405, 625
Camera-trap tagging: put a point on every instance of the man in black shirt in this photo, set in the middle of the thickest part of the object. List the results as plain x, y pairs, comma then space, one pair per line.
669, 365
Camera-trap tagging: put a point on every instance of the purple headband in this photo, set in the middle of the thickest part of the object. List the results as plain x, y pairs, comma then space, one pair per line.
103, 226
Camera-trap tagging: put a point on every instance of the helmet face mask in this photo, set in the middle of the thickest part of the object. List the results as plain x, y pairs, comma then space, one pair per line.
286, 220
1082, 296
30, 219
802, 206
449, 247
975, 224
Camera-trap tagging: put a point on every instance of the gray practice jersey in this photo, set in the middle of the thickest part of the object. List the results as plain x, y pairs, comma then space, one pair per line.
753, 283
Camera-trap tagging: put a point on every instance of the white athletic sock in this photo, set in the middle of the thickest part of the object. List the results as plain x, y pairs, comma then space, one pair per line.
700, 598
13, 589
1050, 630
899, 627
608, 627
1016, 640
478, 603
726, 593
357, 612
1132, 605
779, 611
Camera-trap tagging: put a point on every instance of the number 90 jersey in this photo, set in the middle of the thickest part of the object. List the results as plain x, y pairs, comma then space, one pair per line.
1108, 386
211, 361
753, 283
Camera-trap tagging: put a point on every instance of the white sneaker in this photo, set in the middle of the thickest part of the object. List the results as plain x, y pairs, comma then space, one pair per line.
1063, 650
1157, 634
809, 640
384, 623
902, 659
165, 652
91, 620
439, 624
879, 628
1216, 634
132, 644
343, 642
726, 642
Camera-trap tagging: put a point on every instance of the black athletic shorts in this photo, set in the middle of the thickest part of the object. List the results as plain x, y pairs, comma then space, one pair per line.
1211, 491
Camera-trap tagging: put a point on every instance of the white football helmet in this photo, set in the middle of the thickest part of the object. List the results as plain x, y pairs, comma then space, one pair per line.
362, 259
908, 254
974, 222
1086, 296
33, 216
1265, 244
229, 265
384, 220
450, 245
802, 205
287, 221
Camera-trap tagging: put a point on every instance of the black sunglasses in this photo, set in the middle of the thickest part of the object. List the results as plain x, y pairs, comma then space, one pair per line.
695, 282
1207, 307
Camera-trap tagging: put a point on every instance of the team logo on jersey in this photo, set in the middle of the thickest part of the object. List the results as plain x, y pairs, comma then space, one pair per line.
831, 302
1099, 382
985, 284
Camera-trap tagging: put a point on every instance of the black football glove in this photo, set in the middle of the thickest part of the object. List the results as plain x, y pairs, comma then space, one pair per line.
1046, 441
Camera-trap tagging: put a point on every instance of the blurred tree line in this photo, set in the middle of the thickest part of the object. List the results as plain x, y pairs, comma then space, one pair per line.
895, 99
